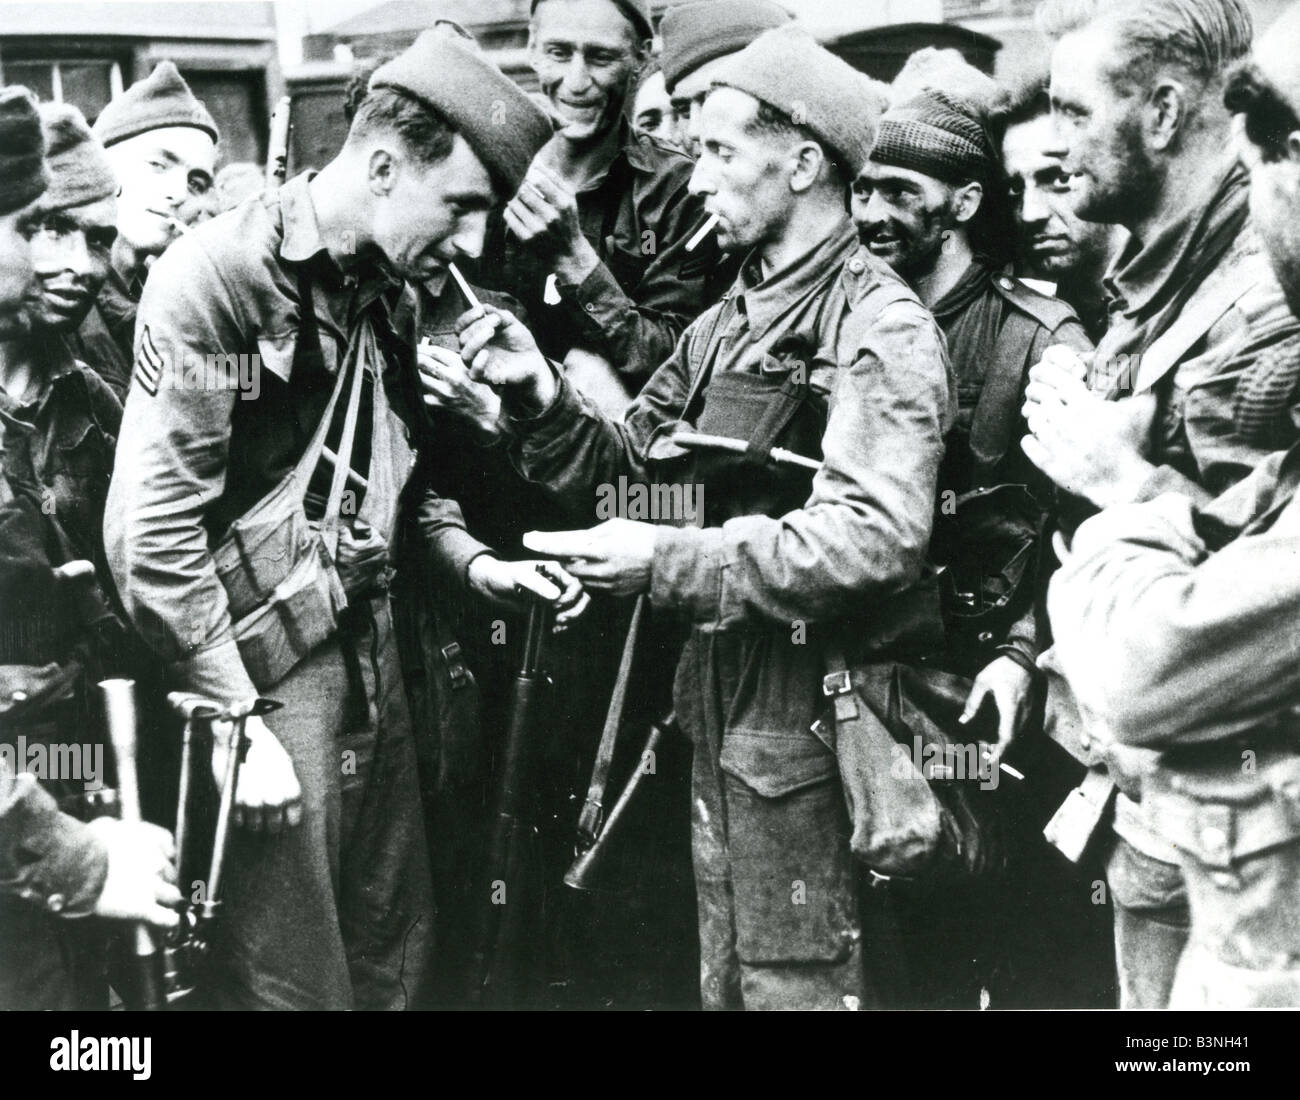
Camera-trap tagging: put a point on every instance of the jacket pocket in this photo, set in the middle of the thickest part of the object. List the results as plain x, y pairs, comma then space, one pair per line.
776, 764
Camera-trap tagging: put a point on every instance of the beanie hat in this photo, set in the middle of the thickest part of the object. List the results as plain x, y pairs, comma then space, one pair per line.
698, 33
503, 126
79, 170
786, 69
22, 150
161, 99
637, 11
937, 135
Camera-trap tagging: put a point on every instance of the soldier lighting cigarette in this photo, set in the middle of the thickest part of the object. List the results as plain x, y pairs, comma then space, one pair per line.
701, 233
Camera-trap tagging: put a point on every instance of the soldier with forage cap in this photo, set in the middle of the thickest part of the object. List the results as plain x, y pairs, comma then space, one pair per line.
162, 147
697, 40
52, 867
329, 902
811, 314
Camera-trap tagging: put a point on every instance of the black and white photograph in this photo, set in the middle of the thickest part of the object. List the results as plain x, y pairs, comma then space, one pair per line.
426, 584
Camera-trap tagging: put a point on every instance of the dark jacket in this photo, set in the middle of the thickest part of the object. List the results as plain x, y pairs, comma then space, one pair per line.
647, 287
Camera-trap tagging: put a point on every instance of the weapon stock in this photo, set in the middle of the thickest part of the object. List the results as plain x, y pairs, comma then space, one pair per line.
146, 962
496, 943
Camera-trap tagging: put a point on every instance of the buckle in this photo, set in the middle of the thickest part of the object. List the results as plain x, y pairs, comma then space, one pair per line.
837, 683
456, 669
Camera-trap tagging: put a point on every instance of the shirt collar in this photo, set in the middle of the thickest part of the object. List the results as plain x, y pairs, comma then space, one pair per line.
1143, 269
61, 371
764, 300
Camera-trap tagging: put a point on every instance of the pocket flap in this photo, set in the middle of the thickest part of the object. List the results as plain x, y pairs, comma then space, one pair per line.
775, 764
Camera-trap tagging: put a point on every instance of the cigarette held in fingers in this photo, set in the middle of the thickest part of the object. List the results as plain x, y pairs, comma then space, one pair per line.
701, 233
465, 289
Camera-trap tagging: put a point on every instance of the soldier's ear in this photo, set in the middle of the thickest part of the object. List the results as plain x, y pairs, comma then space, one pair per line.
806, 166
966, 201
382, 170
1167, 113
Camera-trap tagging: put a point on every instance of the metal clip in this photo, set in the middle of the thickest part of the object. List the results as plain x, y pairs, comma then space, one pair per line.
837, 683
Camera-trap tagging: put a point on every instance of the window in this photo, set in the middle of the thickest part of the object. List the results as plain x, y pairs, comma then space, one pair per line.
88, 83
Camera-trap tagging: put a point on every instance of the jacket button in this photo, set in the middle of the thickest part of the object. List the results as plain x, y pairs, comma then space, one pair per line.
857, 266
1005, 283
55, 903
1214, 839
591, 307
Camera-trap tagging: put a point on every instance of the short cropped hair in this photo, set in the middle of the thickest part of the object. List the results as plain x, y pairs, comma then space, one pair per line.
1270, 119
425, 132
1025, 102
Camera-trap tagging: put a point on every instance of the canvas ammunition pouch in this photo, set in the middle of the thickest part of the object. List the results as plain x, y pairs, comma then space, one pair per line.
290, 569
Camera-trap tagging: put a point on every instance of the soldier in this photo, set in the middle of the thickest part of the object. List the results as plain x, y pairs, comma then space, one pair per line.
1137, 93
816, 320
1053, 245
52, 866
593, 243
652, 113
930, 203
1176, 621
697, 39
162, 147
222, 485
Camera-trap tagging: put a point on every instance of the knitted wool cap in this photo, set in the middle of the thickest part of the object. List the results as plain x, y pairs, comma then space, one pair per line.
22, 150
161, 99
503, 126
79, 170
702, 32
788, 70
937, 135
638, 11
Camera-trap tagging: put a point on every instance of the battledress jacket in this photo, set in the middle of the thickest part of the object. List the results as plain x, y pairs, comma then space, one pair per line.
860, 538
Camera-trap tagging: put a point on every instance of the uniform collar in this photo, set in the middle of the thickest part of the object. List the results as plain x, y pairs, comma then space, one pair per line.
1145, 270
62, 372
764, 300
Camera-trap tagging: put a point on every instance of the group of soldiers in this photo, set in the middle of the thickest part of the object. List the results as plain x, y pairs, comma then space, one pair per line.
990, 396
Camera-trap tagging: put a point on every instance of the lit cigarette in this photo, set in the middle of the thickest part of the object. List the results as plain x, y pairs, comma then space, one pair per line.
701, 233
1012, 771
470, 296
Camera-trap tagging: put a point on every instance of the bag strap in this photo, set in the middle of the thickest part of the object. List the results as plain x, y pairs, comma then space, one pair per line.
353, 370
837, 683
593, 810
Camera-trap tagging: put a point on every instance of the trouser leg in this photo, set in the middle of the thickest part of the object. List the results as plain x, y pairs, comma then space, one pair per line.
1151, 924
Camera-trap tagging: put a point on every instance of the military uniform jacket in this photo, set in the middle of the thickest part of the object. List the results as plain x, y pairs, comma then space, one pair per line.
747, 586
214, 419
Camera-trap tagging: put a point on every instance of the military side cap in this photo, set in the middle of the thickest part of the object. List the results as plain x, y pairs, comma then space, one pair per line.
788, 70
503, 126
161, 99
637, 11
79, 169
698, 33
22, 150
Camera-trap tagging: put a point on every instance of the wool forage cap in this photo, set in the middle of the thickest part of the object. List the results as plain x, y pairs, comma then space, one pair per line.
702, 32
638, 11
22, 150
503, 126
937, 135
788, 70
79, 169
161, 99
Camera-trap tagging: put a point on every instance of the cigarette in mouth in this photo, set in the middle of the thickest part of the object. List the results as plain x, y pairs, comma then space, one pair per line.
701, 233
470, 296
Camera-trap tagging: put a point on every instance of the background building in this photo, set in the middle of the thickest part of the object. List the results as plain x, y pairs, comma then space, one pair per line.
85, 53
